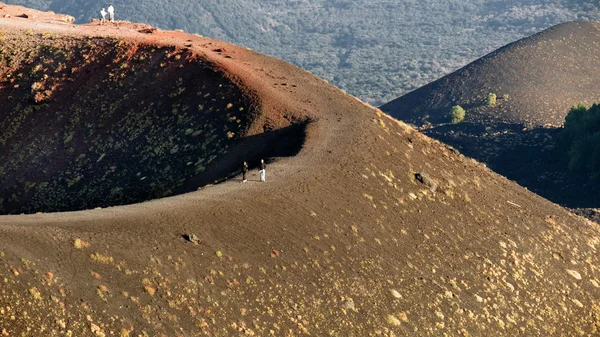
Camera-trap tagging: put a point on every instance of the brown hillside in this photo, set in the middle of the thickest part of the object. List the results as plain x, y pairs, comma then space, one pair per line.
544, 75
342, 239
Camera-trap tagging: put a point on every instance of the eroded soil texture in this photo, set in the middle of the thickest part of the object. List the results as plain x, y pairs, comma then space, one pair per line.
363, 227
93, 122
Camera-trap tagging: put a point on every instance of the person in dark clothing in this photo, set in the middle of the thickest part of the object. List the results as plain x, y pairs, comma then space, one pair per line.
244, 171
263, 167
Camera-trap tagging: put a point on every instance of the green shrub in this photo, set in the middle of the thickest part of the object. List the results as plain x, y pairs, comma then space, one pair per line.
457, 114
491, 99
505, 97
579, 141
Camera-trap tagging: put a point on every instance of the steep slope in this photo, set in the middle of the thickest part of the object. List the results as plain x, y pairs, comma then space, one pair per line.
543, 76
95, 121
342, 239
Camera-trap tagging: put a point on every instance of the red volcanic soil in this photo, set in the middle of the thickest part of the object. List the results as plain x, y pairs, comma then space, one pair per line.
341, 240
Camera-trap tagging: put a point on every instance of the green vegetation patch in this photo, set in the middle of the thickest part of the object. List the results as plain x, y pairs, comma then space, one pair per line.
491, 99
579, 141
457, 114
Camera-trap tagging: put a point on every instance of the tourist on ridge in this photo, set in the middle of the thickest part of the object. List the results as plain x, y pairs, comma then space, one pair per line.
111, 13
103, 16
244, 171
263, 167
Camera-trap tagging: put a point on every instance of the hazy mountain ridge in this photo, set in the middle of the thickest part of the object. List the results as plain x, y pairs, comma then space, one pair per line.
375, 50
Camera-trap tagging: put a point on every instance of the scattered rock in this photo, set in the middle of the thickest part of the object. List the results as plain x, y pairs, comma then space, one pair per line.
423, 178
147, 30
6, 16
192, 238
67, 18
150, 290
96, 330
577, 302
453, 150
395, 293
575, 274
510, 286
349, 304
393, 320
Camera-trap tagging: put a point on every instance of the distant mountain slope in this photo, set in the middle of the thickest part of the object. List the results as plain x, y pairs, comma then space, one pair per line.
369, 229
373, 49
543, 75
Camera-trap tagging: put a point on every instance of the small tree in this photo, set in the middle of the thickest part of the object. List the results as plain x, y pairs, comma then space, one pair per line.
491, 100
457, 114
579, 140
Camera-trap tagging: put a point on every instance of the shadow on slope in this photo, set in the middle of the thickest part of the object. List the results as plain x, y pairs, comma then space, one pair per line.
95, 122
536, 80
524, 155
543, 75
284, 142
353, 246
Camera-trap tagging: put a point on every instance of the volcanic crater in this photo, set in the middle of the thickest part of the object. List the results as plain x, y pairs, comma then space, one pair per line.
368, 228
97, 121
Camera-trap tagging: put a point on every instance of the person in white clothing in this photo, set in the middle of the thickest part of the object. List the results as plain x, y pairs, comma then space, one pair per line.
263, 167
111, 13
103, 16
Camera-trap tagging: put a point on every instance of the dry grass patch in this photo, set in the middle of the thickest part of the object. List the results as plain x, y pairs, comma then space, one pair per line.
102, 258
80, 244
101, 291
391, 320
35, 293
126, 332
